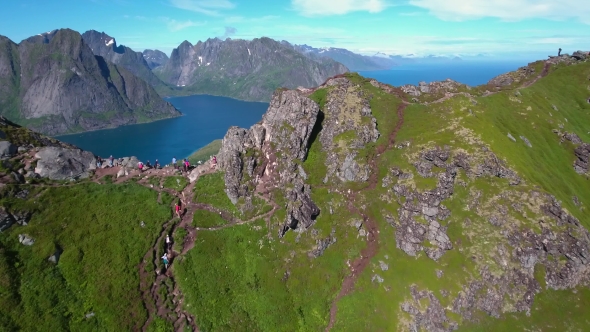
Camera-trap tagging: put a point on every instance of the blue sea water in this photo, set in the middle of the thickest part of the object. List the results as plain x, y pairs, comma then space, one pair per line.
205, 119
472, 73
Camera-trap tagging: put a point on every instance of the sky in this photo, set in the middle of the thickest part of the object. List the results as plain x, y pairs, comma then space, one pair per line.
500, 28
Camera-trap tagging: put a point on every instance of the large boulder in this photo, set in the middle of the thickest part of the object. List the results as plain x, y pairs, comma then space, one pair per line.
60, 163
7, 149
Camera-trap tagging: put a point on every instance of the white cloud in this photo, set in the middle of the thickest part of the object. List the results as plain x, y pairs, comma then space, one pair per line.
337, 7
174, 25
207, 7
509, 10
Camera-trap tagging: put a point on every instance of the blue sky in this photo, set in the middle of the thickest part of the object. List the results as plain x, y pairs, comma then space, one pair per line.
527, 28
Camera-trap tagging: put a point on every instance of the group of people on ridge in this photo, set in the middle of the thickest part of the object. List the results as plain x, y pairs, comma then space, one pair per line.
168, 244
99, 161
185, 165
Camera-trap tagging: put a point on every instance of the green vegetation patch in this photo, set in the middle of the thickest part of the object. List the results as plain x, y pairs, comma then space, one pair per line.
210, 189
94, 285
175, 182
205, 152
206, 219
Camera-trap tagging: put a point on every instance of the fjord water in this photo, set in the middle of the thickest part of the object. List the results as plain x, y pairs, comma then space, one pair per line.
205, 118
472, 73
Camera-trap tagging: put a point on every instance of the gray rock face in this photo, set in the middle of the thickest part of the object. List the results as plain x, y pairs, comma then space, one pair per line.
25, 240
61, 163
243, 67
433, 318
266, 156
410, 233
7, 149
136, 62
57, 79
155, 58
347, 127
6, 219
322, 245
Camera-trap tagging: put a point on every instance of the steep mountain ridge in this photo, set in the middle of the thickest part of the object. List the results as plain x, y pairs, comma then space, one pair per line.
248, 70
106, 46
57, 85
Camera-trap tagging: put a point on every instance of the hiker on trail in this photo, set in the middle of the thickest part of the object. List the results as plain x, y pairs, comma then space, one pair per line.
559, 53
174, 163
111, 161
177, 209
156, 164
98, 162
214, 162
168, 243
165, 260
186, 165
148, 165
140, 166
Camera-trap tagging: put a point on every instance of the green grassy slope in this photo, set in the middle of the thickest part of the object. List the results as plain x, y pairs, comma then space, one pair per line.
98, 229
260, 283
205, 152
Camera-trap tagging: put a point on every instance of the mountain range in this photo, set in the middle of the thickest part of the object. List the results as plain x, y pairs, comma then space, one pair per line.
353, 61
55, 84
248, 70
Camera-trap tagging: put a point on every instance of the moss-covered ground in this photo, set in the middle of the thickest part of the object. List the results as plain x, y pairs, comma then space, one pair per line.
98, 229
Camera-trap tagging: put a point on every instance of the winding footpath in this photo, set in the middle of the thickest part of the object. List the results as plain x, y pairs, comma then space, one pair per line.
161, 295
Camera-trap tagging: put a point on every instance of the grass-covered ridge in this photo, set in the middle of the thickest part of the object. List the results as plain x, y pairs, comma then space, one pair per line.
476, 125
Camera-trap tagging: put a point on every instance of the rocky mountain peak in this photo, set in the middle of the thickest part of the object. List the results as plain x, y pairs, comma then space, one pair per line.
155, 58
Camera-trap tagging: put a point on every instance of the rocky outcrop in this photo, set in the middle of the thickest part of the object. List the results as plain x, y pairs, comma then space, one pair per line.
267, 156
6, 219
55, 84
247, 70
410, 233
155, 58
26, 239
7, 149
347, 127
431, 317
61, 163
581, 152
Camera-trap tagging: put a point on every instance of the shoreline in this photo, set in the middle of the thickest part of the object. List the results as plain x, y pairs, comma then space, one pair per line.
111, 128
220, 96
